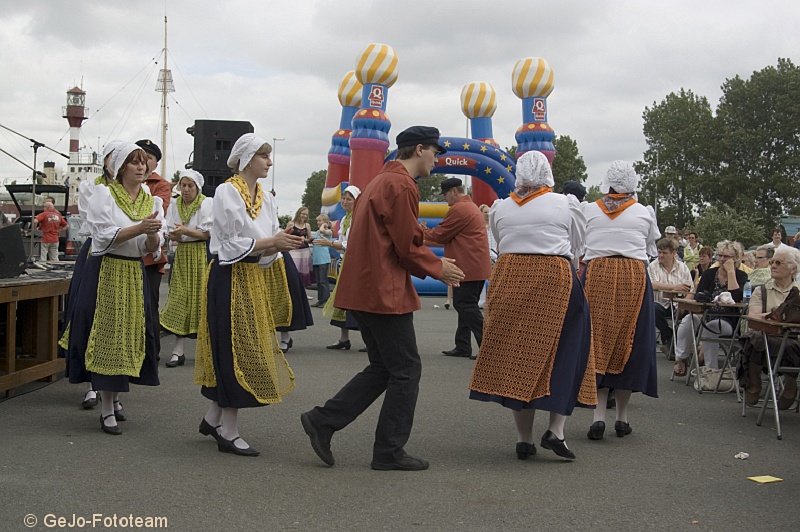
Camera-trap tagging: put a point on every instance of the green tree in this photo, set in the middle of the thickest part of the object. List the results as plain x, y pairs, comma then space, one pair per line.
726, 223
312, 196
681, 161
429, 187
593, 194
284, 219
568, 164
759, 121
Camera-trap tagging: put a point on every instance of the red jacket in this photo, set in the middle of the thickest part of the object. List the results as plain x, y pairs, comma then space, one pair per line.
463, 234
163, 189
385, 246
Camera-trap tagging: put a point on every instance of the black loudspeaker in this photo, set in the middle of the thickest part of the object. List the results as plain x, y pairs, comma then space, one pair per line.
12, 251
213, 141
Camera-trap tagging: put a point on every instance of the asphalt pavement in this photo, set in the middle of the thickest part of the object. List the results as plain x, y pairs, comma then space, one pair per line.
677, 470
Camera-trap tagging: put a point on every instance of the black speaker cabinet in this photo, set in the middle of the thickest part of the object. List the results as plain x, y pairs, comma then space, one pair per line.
213, 141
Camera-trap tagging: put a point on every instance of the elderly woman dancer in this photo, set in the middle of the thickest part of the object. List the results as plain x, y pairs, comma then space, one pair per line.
620, 235
111, 341
239, 363
535, 353
189, 223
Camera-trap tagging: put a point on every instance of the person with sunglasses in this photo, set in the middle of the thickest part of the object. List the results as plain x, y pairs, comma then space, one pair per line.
761, 273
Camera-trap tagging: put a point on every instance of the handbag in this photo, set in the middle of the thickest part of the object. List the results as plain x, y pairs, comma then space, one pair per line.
789, 310
714, 380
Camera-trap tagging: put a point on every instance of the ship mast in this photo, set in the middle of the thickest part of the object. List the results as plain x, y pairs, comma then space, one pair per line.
164, 86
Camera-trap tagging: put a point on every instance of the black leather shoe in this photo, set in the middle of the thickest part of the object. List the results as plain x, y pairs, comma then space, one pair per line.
549, 441
362, 350
89, 402
119, 413
404, 463
115, 430
457, 353
339, 345
473, 357
596, 430
207, 430
320, 440
622, 429
227, 446
180, 361
524, 450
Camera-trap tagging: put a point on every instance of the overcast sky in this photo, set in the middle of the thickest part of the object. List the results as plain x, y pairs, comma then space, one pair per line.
277, 64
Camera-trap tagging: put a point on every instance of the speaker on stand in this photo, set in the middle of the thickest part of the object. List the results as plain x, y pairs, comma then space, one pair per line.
213, 142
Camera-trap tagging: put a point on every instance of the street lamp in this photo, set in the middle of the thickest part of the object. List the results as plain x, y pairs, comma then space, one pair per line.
274, 157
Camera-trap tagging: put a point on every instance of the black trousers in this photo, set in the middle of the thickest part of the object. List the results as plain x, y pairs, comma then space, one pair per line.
470, 317
395, 368
154, 281
662, 315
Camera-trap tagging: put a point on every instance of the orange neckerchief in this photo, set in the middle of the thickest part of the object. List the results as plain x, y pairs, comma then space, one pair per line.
613, 204
522, 200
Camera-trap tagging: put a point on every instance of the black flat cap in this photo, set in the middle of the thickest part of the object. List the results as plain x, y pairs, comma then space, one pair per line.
450, 182
425, 135
574, 188
150, 147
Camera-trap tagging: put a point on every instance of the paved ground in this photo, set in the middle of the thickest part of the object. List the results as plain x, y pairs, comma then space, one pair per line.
676, 471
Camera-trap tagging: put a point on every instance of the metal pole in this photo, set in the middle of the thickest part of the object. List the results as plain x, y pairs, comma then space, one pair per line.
274, 158
164, 110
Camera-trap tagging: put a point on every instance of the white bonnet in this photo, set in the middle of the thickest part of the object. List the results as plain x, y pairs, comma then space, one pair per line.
243, 150
533, 170
110, 146
194, 175
621, 177
119, 154
353, 190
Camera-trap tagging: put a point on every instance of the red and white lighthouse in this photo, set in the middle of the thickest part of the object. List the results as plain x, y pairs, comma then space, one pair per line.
75, 113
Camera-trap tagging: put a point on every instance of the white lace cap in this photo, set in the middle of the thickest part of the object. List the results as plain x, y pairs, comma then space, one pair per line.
194, 175
119, 154
110, 146
353, 190
621, 177
243, 150
533, 170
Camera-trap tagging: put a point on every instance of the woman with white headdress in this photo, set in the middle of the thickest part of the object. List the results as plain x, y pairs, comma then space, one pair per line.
85, 189
535, 353
189, 224
239, 363
111, 340
621, 234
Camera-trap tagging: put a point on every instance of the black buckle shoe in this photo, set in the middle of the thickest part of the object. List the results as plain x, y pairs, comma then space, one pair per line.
596, 430
524, 450
89, 402
321, 443
227, 446
622, 429
340, 345
207, 430
119, 413
115, 430
180, 361
549, 441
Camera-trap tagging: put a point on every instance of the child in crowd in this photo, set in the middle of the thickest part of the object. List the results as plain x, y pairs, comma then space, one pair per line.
321, 259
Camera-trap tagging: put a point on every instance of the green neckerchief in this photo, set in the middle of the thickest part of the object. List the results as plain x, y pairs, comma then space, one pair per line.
345, 224
137, 209
101, 180
185, 212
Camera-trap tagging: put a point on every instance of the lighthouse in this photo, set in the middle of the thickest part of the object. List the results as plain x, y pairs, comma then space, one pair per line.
84, 166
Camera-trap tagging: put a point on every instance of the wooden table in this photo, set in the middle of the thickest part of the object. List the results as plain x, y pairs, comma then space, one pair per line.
29, 326
783, 331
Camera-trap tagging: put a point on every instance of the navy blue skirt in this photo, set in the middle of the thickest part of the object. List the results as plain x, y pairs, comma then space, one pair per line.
228, 393
80, 326
569, 365
301, 310
72, 294
640, 373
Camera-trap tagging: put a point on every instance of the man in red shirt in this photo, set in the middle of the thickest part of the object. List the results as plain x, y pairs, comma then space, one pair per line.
463, 234
154, 269
384, 247
49, 223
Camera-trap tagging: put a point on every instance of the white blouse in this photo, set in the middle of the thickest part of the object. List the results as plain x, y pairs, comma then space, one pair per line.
85, 190
233, 232
632, 234
105, 220
551, 224
201, 220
